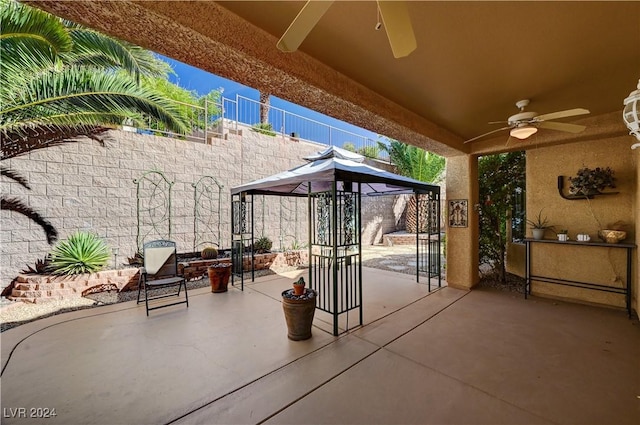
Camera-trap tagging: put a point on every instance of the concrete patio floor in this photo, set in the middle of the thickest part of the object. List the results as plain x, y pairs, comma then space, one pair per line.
449, 356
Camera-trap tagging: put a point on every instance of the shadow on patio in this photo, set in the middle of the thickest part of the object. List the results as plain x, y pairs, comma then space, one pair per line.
446, 357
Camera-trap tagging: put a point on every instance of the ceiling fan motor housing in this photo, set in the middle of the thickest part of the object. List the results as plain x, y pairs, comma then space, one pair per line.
522, 116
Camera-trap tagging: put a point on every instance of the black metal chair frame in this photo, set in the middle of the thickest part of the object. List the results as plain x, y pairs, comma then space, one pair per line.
161, 276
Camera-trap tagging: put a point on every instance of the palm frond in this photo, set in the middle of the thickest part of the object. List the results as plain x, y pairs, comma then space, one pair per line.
13, 204
30, 38
414, 162
21, 22
55, 98
94, 49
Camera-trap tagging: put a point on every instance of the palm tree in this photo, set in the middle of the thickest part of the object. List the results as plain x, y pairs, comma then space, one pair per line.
59, 81
265, 105
411, 161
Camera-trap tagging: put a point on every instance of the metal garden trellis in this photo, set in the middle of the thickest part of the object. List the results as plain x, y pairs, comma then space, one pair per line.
153, 203
206, 207
333, 183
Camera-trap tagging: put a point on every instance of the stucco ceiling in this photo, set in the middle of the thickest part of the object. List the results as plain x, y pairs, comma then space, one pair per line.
473, 62
476, 59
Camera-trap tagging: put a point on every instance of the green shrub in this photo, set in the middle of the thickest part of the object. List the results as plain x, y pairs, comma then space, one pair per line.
264, 128
371, 151
348, 146
500, 177
82, 252
263, 244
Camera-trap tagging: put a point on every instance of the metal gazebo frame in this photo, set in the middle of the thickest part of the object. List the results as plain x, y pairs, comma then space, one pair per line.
333, 184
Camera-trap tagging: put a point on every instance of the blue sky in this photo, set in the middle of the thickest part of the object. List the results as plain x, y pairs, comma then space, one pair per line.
203, 82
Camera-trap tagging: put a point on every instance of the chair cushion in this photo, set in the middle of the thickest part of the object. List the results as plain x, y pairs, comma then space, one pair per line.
156, 257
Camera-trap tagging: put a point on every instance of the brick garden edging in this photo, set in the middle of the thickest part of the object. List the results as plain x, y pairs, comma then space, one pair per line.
272, 260
43, 288
391, 239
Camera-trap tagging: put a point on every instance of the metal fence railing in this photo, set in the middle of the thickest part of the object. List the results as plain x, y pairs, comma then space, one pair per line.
288, 124
215, 119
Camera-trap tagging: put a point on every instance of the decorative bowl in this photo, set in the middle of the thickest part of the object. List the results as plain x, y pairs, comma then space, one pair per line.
612, 236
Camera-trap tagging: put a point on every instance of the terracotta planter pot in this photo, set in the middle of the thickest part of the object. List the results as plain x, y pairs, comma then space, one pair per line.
299, 312
298, 290
219, 277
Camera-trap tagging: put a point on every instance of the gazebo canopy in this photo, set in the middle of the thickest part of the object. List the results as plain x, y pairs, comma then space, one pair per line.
334, 164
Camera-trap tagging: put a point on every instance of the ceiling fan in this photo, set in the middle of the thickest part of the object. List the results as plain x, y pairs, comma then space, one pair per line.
525, 123
395, 18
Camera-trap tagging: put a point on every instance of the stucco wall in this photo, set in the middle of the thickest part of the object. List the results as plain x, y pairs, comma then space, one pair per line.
86, 186
462, 242
598, 265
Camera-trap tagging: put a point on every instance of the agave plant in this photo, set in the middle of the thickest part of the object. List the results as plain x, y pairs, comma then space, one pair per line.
82, 252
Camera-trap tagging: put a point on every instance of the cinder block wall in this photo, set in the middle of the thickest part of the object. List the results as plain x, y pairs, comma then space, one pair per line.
88, 186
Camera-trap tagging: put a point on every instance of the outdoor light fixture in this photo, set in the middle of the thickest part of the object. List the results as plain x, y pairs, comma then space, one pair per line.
631, 113
522, 132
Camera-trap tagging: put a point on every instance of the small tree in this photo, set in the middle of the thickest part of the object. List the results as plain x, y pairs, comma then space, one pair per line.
500, 175
418, 164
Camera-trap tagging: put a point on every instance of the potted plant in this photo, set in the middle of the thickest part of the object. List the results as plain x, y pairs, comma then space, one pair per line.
299, 311
298, 287
219, 275
590, 182
539, 226
563, 235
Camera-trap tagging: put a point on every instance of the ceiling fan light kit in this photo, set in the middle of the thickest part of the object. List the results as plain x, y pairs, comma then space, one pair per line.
523, 132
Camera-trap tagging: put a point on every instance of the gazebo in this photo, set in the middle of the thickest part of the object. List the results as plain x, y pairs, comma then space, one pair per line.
334, 181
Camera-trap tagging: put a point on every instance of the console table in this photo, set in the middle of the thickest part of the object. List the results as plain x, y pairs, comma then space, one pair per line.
626, 291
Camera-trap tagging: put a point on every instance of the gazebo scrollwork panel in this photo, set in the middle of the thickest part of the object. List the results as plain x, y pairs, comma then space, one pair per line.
429, 257
242, 234
335, 256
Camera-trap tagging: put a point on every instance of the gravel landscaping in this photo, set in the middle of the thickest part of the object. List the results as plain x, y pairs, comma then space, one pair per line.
16, 313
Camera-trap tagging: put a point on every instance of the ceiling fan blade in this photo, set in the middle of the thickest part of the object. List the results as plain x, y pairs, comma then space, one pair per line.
562, 114
561, 126
397, 23
486, 134
302, 25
